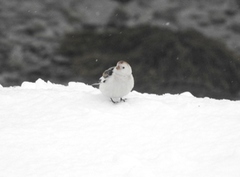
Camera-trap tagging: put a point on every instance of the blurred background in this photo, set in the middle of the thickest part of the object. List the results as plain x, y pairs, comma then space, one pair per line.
173, 46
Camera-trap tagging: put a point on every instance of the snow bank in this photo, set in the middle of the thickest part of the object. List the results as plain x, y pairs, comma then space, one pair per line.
54, 130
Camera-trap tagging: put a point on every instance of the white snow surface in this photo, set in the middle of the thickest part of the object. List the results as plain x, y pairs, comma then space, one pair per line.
74, 131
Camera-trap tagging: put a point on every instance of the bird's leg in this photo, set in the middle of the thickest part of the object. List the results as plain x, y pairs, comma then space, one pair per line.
113, 101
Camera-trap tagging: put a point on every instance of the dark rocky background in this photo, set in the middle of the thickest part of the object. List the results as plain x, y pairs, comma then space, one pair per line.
173, 46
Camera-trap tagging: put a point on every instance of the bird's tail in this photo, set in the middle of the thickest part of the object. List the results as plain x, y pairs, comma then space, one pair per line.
95, 84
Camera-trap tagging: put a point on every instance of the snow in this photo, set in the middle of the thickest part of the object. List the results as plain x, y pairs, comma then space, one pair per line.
54, 130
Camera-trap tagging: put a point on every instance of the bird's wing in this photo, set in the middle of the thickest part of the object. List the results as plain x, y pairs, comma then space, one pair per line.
106, 74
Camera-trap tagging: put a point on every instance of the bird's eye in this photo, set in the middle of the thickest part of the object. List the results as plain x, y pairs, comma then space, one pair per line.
123, 67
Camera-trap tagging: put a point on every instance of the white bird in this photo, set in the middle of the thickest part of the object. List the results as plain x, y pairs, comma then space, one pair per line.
116, 82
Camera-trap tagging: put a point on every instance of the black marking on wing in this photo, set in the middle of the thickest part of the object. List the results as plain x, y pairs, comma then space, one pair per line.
108, 72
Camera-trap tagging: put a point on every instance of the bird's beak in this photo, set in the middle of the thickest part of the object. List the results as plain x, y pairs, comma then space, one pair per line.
118, 67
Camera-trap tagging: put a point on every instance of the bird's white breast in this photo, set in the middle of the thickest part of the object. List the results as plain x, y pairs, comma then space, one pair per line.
117, 86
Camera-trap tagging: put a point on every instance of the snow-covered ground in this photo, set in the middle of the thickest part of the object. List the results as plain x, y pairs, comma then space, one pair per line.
54, 130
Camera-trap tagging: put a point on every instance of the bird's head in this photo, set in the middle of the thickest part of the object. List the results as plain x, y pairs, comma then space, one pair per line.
123, 68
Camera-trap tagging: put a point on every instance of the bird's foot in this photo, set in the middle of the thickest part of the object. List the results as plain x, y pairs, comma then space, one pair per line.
121, 99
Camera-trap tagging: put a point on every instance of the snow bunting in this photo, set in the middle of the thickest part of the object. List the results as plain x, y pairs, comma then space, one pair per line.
116, 82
